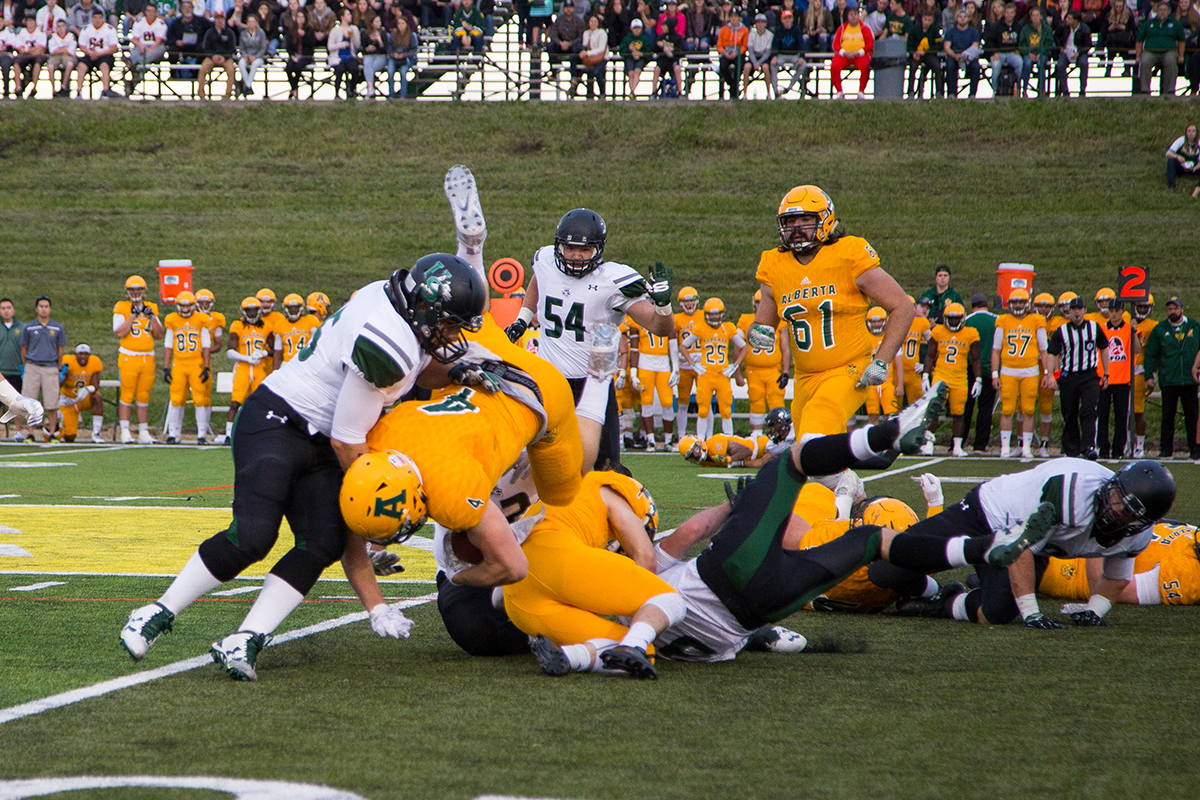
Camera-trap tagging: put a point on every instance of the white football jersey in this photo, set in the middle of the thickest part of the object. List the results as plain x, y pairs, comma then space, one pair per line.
1071, 484
367, 336
568, 307
24, 40
59, 42
148, 35
101, 38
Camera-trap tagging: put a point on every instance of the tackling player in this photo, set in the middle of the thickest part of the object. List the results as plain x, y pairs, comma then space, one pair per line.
883, 398
718, 347
685, 319
248, 339
136, 324
953, 349
81, 379
654, 369
766, 370
206, 303
187, 365
1018, 349
819, 281
295, 332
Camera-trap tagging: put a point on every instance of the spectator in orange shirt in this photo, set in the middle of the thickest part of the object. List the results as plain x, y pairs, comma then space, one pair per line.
852, 46
731, 44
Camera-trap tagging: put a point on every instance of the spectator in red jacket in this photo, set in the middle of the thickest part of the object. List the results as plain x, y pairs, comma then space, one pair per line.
852, 47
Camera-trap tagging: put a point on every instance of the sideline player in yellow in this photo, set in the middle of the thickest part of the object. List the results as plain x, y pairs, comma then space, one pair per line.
1018, 349
187, 365
913, 351
766, 370
206, 303
883, 398
318, 305
821, 281
685, 320
710, 343
136, 324
1044, 304
1141, 313
953, 347
1063, 300
1103, 297
81, 379
294, 332
271, 320
248, 338
654, 370
631, 436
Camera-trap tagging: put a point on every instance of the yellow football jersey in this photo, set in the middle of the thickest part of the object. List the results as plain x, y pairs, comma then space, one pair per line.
216, 320
770, 359
79, 376
856, 592
685, 322
1053, 324
187, 333
821, 302
587, 516
1018, 343
251, 338
139, 339
1172, 550
1143, 331
714, 345
648, 344
911, 352
295, 335
717, 449
954, 351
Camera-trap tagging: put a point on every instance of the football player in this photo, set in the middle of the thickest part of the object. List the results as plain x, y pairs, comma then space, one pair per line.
1081, 509
271, 320
720, 450
136, 324
819, 281
206, 303
718, 347
631, 437
685, 319
295, 332
1018, 349
883, 398
913, 351
574, 288
654, 369
1063, 300
766, 370
1044, 304
187, 365
317, 304
953, 349
81, 379
248, 341
300, 431
1141, 315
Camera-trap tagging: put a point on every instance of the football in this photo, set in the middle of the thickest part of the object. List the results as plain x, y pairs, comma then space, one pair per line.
464, 550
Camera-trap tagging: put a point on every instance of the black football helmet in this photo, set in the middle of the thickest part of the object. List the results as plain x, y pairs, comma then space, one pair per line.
585, 228
778, 423
1144, 490
440, 297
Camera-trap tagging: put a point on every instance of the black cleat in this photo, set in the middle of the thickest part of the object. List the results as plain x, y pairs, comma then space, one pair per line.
936, 607
550, 656
632, 660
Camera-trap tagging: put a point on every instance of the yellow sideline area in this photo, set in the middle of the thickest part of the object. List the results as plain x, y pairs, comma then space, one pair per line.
135, 541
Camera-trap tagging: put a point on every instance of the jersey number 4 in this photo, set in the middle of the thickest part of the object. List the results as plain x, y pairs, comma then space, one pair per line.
802, 331
572, 322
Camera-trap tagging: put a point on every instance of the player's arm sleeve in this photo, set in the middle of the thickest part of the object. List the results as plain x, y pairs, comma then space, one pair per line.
998, 338
379, 363
1118, 567
117, 320
359, 405
169, 342
1041, 339
205, 338
738, 339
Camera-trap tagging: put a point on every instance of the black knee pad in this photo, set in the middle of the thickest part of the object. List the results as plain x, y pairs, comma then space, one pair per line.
474, 624
300, 569
225, 556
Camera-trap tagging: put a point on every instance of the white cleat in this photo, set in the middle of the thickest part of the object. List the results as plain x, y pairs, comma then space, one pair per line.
927, 448
1005, 452
144, 437
914, 421
238, 653
222, 439
97, 438
464, 205
776, 639
126, 437
1026, 451
1139, 452
143, 628
958, 452
1043, 452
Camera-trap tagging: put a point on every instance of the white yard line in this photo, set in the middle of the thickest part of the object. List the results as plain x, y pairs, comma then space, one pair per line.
174, 574
41, 452
33, 587
909, 468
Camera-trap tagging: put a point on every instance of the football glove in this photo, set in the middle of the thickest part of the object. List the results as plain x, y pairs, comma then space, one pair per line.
390, 621
673, 379
931, 487
635, 381
660, 285
782, 380
484, 374
761, 337
925, 383
918, 367
147, 312
204, 375
619, 379
88, 389
253, 360
1039, 621
734, 493
977, 387
25, 407
875, 374
167, 374
1087, 618
385, 562
515, 331
730, 371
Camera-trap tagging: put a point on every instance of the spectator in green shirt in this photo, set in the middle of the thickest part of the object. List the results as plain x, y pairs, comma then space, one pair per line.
941, 293
1160, 43
925, 50
1037, 38
1172, 361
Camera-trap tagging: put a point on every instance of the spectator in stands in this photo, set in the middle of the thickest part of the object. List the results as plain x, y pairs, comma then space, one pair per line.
362, 15
1074, 41
98, 43
760, 42
49, 15
961, 44
1171, 361
818, 27
645, 12
30, 47
1160, 44
220, 50
467, 29
43, 341
321, 20
925, 50
853, 45
7, 51
253, 46
1003, 39
345, 44
593, 56
1076, 348
701, 28
375, 57
1183, 157
1189, 17
566, 39
984, 322
672, 12
540, 13
397, 10
436, 13
789, 52
636, 49
80, 16
1092, 13
62, 46
147, 45
287, 20
269, 24
897, 21
731, 44
300, 45
940, 294
185, 37
876, 18
10, 343
616, 22
1123, 344
1037, 39
402, 56
1119, 34
236, 16
670, 51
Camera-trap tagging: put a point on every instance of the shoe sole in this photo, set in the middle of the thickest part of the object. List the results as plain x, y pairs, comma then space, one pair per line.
549, 657
636, 669
910, 443
1036, 526
463, 196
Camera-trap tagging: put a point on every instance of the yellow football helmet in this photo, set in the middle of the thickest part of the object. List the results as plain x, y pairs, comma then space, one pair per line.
135, 288
1063, 299
644, 506
1018, 302
185, 304
1044, 304
1144, 309
888, 512
266, 299
251, 310
382, 499
801, 202
517, 294
688, 298
205, 300
693, 449
293, 307
955, 316
714, 311
876, 319
1104, 297
318, 304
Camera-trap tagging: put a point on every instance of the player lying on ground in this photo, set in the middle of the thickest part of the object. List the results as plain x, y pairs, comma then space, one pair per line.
720, 450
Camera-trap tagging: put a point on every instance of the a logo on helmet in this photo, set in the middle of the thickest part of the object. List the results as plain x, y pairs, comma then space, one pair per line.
436, 284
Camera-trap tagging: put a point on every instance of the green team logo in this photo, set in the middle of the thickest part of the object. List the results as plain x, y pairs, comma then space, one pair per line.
436, 285
393, 507
457, 403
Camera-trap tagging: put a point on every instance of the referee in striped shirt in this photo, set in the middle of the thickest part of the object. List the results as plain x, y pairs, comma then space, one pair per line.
1075, 348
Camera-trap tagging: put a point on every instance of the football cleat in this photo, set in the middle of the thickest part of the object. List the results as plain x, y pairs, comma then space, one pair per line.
172, 440
143, 628
126, 437
238, 652
776, 639
927, 448
1043, 451
550, 656
97, 438
1026, 451
936, 607
1007, 545
1005, 452
144, 437
914, 420
201, 441
958, 452
463, 195
632, 660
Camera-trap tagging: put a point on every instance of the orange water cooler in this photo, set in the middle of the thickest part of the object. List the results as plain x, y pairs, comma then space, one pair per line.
1011, 276
174, 276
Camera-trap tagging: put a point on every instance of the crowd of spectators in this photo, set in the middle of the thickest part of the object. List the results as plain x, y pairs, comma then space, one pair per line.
944, 41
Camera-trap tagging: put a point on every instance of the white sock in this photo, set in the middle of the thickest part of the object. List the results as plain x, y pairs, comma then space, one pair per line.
276, 600
97, 425
193, 580
1141, 442
727, 426
931, 588
640, 635
602, 646
860, 446
1027, 439
957, 444
954, 551
627, 421
959, 608
681, 419
229, 429
1005, 439
756, 421
175, 421
203, 415
143, 427
473, 257
124, 426
577, 656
